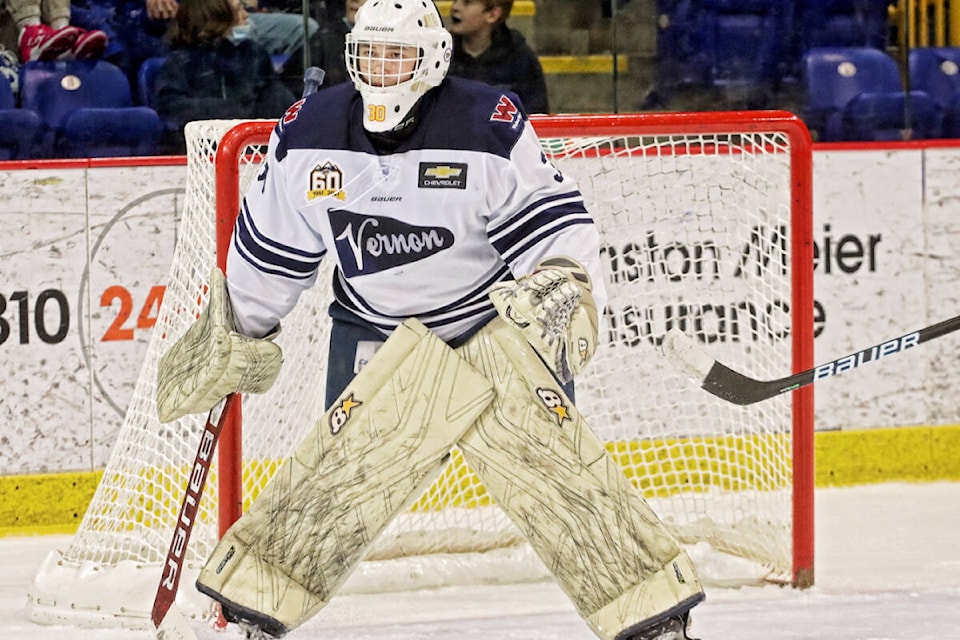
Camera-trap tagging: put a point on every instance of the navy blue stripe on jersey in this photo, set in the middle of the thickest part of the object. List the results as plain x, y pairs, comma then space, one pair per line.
468, 308
479, 293
570, 197
548, 232
547, 213
350, 299
469, 318
269, 256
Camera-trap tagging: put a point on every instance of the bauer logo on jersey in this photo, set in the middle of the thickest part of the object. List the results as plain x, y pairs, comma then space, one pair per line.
326, 180
442, 175
370, 244
553, 401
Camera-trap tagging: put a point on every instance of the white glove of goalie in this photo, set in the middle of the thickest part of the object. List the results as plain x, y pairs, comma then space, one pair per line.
554, 310
211, 360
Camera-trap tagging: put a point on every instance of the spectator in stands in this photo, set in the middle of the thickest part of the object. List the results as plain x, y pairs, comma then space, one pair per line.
326, 49
278, 28
275, 24
486, 49
136, 29
44, 31
216, 70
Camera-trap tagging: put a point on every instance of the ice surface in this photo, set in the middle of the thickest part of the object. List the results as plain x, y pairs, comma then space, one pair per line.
887, 568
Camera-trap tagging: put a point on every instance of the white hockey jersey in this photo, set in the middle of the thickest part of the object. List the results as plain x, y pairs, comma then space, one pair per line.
468, 200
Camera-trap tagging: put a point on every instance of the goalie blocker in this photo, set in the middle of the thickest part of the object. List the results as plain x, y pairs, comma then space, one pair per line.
387, 437
211, 360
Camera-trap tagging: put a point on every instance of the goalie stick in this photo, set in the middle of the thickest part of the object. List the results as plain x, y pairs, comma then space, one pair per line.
169, 622
725, 383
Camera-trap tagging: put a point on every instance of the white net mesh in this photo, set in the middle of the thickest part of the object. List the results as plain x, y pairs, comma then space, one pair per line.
697, 232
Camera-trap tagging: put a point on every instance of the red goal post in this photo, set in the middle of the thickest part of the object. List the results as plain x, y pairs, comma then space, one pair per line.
710, 133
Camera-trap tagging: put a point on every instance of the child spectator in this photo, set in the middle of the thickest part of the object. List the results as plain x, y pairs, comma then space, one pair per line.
44, 31
215, 70
485, 49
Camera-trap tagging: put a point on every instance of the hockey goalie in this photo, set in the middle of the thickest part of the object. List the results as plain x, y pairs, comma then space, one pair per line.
466, 296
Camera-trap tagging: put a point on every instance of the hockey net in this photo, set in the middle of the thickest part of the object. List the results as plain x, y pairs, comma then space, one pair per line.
706, 224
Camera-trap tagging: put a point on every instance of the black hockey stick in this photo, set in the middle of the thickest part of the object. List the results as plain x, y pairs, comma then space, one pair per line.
687, 355
170, 624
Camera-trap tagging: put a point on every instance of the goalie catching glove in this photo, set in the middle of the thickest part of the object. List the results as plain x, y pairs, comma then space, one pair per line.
211, 360
553, 308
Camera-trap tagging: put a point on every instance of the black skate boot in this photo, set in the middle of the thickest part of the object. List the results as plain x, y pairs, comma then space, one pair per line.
673, 628
669, 629
255, 625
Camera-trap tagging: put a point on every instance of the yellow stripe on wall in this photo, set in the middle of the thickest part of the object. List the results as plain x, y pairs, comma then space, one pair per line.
883, 455
47, 503
599, 63
55, 503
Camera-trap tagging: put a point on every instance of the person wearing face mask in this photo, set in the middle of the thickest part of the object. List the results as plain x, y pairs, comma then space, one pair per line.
216, 69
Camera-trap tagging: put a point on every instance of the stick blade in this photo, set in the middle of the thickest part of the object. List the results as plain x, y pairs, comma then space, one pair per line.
714, 377
686, 356
174, 626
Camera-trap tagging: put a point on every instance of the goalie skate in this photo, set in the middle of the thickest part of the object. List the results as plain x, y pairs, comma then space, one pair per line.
670, 629
253, 632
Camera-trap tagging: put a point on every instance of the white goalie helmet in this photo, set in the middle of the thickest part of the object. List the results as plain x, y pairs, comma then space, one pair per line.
396, 52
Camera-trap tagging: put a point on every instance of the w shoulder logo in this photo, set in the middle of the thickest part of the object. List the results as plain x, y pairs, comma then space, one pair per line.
369, 244
505, 111
293, 112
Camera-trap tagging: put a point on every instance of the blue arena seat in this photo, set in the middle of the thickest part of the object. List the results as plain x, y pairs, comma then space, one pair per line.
147, 95
732, 46
743, 46
842, 23
58, 90
133, 131
936, 72
855, 93
19, 128
680, 57
7, 99
147, 79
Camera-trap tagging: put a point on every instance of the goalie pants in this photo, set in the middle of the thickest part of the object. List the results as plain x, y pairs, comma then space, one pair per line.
387, 437
352, 345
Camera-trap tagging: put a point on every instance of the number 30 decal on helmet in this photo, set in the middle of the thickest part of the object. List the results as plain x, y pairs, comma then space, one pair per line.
396, 52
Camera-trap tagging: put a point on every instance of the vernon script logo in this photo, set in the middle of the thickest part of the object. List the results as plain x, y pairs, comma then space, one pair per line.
369, 244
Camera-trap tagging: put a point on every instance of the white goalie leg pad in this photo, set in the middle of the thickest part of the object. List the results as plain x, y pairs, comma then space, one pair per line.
543, 465
212, 360
368, 457
553, 308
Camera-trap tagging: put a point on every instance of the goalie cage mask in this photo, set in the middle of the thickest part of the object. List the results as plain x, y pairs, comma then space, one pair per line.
396, 52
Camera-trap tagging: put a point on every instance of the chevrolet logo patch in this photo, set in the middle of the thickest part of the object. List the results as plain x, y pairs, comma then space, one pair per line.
437, 175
